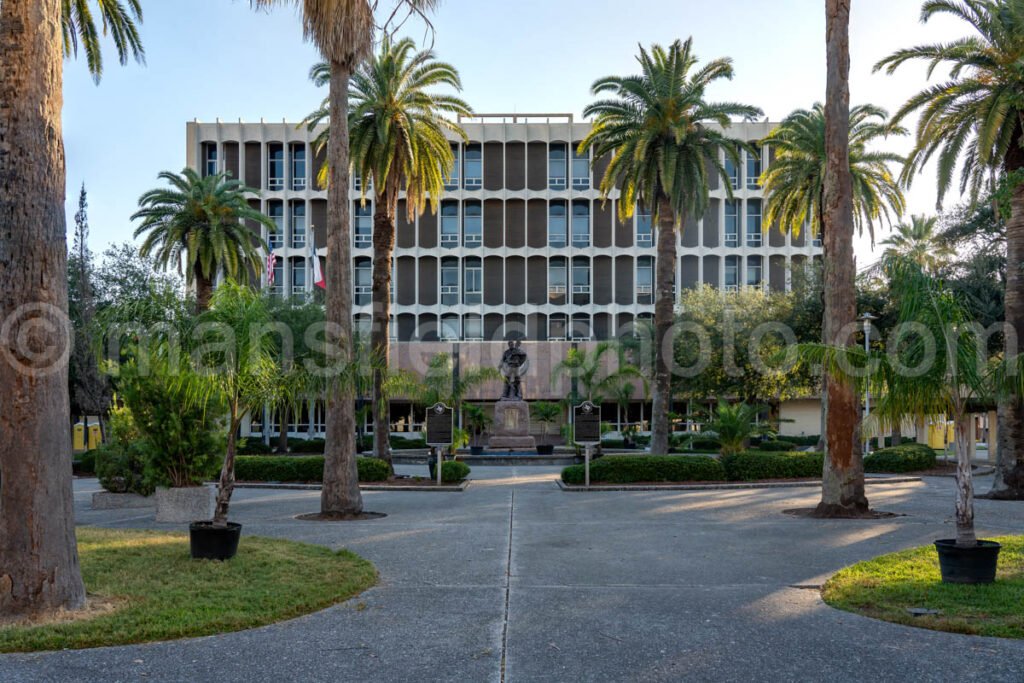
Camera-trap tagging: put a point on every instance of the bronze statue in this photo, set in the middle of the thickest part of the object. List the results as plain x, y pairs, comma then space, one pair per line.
514, 363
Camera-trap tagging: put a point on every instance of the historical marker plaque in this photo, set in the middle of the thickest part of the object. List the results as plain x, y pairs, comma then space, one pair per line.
587, 424
439, 425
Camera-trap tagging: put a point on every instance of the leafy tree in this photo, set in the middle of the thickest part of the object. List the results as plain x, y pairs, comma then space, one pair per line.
920, 242
973, 119
124, 275
201, 219
664, 138
38, 540
591, 377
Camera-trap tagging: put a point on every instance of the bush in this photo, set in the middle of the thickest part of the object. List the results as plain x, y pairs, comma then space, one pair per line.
253, 447
613, 443
400, 443
308, 446
122, 471
908, 457
777, 446
300, 468
804, 440
85, 463
453, 471
705, 445
628, 469
755, 465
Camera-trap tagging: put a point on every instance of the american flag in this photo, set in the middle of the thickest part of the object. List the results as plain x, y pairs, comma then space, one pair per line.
271, 261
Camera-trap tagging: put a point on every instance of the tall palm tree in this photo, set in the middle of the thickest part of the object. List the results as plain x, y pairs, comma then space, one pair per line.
37, 538
973, 119
397, 141
920, 242
118, 20
663, 136
201, 218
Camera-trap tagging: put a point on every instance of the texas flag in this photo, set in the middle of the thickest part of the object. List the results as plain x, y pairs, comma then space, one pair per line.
318, 273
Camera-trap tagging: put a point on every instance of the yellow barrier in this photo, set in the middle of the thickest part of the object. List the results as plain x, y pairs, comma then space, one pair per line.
78, 437
95, 437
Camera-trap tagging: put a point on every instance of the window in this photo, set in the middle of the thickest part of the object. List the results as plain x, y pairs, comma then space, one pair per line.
754, 168
299, 167
362, 326
449, 281
278, 287
732, 273
362, 219
644, 227
473, 327
473, 281
732, 223
556, 166
298, 276
753, 271
364, 282
556, 224
645, 280
449, 327
276, 212
449, 224
209, 158
556, 280
753, 222
275, 162
298, 225
452, 182
581, 223
473, 167
732, 170
472, 225
581, 327
556, 327
581, 280
580, 169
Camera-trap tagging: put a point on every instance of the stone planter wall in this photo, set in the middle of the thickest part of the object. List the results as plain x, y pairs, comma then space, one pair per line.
181, 506
105, 500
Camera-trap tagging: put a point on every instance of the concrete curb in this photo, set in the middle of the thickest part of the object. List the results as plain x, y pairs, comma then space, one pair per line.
717, 487
447, 488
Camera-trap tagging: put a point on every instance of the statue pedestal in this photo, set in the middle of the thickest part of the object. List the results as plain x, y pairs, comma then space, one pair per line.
512, 426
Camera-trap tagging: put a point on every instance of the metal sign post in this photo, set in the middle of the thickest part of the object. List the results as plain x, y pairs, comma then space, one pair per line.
587, 432
440, 428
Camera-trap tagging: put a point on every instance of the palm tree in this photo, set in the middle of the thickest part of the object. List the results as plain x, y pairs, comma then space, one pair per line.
732, 425
663, 136
973, 119
794, 183
118, 21
397, 141
200, 218
919, 242
40, 554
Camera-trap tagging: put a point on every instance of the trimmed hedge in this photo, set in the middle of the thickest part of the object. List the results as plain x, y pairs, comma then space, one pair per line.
399, 443
311, 446
250, 446
628, 469
85, 463
908, 457
811, 440
453, 471
300, 468
777, 446
755, 465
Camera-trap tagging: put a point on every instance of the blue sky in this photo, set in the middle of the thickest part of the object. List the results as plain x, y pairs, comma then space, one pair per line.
217, 58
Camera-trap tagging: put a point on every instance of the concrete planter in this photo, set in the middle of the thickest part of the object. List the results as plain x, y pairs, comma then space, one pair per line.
105, 500
184, 505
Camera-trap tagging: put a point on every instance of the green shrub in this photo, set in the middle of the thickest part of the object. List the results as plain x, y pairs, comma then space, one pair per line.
704, 445
300, 468
85, 463
627, 469
908, 457
755, 465
613, 443
400, 443
811, 440
308, 446
453, 471
777, 446
122, 471
250, 446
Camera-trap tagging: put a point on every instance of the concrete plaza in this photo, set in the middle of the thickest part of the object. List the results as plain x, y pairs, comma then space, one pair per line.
514, 580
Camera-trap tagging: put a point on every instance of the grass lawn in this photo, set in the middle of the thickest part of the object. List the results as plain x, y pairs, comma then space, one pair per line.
887, 586
157, 592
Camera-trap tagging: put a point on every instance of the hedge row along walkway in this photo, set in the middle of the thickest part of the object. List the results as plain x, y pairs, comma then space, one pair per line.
515, 580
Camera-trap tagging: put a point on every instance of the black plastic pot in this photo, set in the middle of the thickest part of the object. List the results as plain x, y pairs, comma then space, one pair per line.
546, 449
208, 542
476, 450
967, 565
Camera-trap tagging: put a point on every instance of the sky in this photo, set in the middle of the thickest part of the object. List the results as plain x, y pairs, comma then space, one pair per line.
210, 59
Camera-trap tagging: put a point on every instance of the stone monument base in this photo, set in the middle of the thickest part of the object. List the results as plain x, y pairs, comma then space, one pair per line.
512, 426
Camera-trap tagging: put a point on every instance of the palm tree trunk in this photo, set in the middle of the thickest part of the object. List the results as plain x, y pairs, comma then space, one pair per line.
340, 493
383, 249
664, 310
39, 570
1009, 479
965, 537
282, 432
226, 485
842, 490
204, 288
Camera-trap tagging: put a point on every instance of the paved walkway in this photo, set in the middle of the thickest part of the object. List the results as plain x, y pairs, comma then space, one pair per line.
514, 580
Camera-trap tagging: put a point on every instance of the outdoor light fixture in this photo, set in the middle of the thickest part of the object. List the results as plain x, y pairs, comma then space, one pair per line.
867, 318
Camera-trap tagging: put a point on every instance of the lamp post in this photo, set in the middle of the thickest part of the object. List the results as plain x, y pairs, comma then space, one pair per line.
867, 318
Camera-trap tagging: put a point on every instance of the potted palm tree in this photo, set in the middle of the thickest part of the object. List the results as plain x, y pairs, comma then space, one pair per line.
546, 413
476, 421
